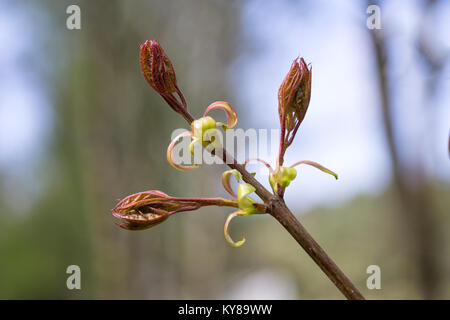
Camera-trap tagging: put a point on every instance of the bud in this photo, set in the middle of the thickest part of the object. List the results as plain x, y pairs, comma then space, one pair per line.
293, 101
200, 129
282, 177
294, 94
160, 74
204, 132
146, 209
157, 68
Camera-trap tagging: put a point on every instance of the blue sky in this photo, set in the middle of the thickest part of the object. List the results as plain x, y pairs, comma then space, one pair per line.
342, 129
24, 111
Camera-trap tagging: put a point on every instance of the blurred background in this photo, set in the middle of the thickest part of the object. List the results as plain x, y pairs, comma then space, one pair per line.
80, 128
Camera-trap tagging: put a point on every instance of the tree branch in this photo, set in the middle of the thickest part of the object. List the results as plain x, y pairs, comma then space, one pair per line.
286, 218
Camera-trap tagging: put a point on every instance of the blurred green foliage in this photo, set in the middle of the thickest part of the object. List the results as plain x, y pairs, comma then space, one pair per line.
109, 140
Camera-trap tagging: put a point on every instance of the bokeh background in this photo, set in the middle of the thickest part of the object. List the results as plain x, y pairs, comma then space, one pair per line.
80, 128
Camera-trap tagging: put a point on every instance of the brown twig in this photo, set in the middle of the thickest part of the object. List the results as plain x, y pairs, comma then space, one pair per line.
294, 96
286, 218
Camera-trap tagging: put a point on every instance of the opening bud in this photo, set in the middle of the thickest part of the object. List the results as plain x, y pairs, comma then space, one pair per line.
146, 209
282, 177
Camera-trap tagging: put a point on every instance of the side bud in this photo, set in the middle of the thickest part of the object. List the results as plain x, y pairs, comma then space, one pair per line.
282, 177
146, 209
201, 128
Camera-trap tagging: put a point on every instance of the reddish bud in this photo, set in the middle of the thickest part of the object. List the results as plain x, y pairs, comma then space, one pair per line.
146, 209
293, 101
160, 74
157, 68
294, 94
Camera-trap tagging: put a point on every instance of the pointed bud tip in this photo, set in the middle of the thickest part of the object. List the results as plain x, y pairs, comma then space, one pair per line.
160, 74
294, 95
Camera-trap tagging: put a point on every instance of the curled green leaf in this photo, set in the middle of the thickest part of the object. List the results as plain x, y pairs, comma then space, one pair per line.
282, 177
316, 165
225, 229
231, 114
226, 180
245, 203
259, 160
169, 153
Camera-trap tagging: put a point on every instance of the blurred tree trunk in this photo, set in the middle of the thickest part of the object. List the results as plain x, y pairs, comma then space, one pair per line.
411, 186
120, 128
